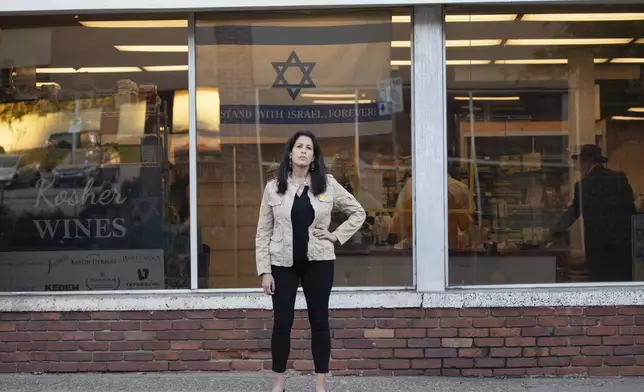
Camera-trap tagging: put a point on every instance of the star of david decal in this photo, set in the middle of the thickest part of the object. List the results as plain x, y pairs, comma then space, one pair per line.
293, 61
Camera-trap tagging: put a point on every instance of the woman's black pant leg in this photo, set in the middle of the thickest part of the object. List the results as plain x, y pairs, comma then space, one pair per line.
286, 282
317, 282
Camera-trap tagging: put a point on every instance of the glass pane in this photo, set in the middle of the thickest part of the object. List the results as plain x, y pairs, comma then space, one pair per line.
345, 76
544, 144
93, 171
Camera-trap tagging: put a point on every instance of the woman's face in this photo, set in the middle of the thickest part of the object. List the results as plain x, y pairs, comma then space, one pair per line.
302, 152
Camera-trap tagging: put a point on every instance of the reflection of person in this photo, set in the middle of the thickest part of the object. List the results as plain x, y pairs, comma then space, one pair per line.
457, 199
605, 200
293, 244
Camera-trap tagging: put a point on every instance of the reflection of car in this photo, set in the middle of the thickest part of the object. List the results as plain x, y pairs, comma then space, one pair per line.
80, 166
17, 170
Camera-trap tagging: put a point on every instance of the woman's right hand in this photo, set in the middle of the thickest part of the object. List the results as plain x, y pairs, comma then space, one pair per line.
268, 284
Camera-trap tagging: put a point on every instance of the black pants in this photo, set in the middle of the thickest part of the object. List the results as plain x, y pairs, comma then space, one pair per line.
317, 280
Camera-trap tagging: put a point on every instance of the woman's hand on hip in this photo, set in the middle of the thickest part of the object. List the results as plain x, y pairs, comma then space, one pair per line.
268, 284
324, 234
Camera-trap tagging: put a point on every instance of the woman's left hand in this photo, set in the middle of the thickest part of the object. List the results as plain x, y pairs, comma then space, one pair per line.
324, 234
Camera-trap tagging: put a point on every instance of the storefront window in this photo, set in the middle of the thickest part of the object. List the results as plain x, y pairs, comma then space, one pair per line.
545, 144
93, 153
344, 76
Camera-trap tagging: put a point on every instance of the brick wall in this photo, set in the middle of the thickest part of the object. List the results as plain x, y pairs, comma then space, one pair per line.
604, 341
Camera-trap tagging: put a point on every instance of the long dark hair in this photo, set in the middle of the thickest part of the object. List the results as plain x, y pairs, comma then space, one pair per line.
318, 172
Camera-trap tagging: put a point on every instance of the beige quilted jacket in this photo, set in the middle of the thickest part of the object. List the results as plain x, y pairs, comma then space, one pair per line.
274, 239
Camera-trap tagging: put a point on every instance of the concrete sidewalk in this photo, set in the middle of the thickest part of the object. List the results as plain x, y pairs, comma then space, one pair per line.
261, 382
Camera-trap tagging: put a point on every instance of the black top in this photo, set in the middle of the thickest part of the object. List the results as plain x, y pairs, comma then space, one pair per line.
302, 216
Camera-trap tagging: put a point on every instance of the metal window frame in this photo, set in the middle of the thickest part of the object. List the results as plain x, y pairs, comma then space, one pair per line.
429, 148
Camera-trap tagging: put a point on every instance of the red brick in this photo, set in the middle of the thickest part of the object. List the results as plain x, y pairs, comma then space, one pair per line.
474, 313
359, 323
597, 350
374, 333
15, 337
15, 357
420, 343
187, 345
378, 313
509, 372
77, 336
601, 331
195, 355
92, 367
45, 357
631, 330
618, 320
556, 341
166, 355
426, 363
410, 333
618, 340
572, 371
459, 342
14, 316
303, 365
565, 351
93, 346
542, 371
140, 335
569, 331
122, 366
125, 326
629, 350
440, 313
521, 362
521, 322
62, 346
32, 346
218, 324
638, 320
489, 342
358, 343
489, 362
554, 361
142, 315
186, 325
155, 345
455, 323
440, 353
585, 340
473, 352
266, 314
505, 332
7, 367
107, 357
400, 323
488, 323
619, 361
476, 372
125, 346
32, 326
552, 321
94, 326
536, 352
7, 347
408, 353
199, 315
409, 313
400, 343
394, 364
520, 342
604, 371
153, 366
63, 326
587, 361
537, 332
105, 315
505, 312
76, 357
473, 332
45, 316
156, 325
63, 367
250, 324
505, 352
569, 311
631, 310
442, 333
109, 336
584, 321
459, 363
375, 353
538, 311
45, 336
600, 311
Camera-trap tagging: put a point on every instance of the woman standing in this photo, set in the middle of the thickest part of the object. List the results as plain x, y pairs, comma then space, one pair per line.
293, 245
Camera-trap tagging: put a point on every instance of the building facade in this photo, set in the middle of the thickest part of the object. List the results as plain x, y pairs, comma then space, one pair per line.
136, 139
